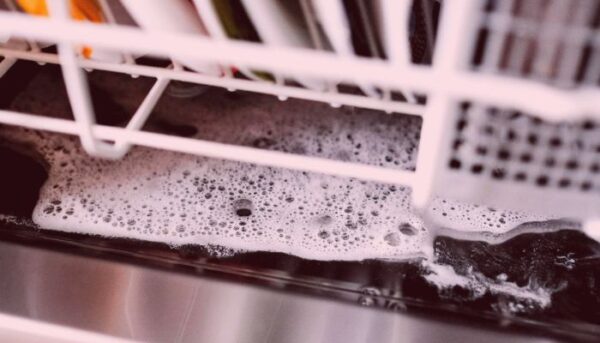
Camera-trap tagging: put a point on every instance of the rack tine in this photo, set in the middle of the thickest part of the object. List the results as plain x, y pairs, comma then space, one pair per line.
396, 16
556, 13
77, 89
110, 18
122, 146
498, 31
5, 65
315, 36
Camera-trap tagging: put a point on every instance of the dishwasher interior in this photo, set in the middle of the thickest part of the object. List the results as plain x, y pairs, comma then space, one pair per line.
183, 238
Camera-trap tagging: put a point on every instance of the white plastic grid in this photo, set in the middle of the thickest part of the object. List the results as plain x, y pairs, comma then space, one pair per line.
543, 40
508, 145
447, 80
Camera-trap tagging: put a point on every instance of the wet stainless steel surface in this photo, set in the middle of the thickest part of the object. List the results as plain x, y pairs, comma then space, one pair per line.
129, 301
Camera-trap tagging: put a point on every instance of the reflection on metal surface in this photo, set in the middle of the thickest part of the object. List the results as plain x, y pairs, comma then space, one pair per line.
149, 305
22, 330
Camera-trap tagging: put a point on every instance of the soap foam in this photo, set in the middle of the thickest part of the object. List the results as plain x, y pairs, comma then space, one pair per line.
445, 277
181, 199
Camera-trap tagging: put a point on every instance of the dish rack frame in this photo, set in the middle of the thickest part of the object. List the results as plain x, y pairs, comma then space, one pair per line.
448, 80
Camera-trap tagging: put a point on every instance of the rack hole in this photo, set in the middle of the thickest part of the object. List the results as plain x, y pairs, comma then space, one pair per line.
477, 168
498, 173
542, 180
520, 176
564, 183
455, 164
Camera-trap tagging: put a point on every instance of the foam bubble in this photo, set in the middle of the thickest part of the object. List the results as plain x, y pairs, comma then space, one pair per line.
482, 221
183, 199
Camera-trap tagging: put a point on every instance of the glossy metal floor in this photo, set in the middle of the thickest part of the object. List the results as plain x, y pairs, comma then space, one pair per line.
133, 302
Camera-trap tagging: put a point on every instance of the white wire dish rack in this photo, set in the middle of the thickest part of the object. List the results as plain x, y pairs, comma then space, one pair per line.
510, 117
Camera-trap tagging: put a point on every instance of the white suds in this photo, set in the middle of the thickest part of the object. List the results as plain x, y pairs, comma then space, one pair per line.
183, 199
444, 276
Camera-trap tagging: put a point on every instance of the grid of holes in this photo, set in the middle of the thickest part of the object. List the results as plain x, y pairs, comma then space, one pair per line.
553, 41
507, 145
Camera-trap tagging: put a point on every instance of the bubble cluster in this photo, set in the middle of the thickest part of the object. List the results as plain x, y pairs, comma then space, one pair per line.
479, 219
184, 199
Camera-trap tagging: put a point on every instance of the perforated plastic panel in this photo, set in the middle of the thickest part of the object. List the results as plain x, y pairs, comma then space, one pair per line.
510, 146
513, 157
